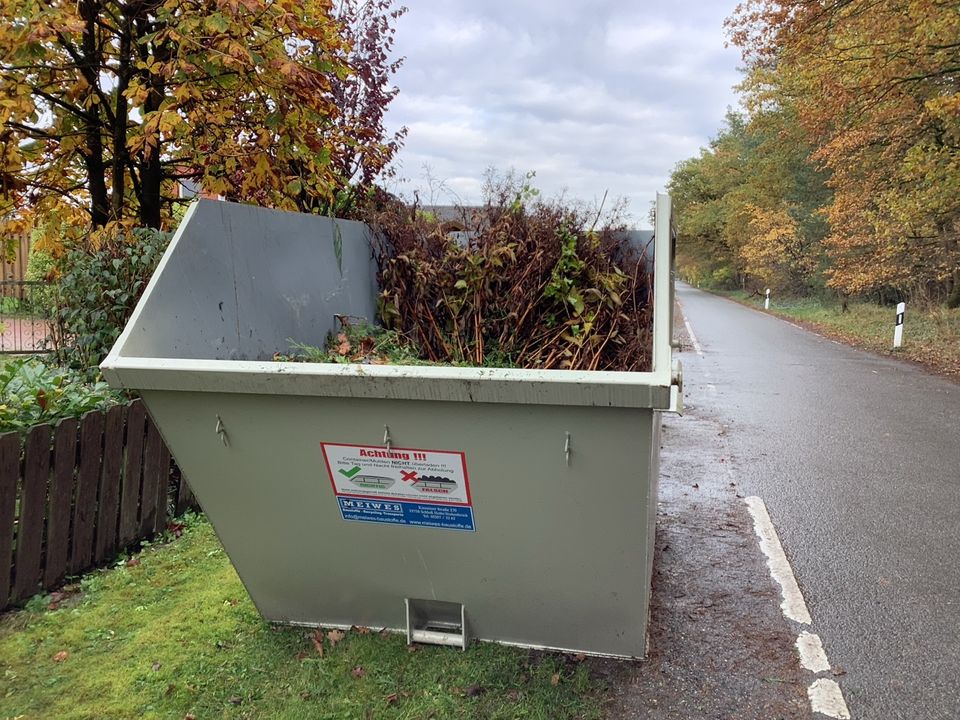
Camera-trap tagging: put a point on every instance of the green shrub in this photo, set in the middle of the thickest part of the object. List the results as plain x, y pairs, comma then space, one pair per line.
35, 392
96, 293
723, 279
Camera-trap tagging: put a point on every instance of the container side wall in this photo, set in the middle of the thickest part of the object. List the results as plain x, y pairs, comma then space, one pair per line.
242, 282
561, 552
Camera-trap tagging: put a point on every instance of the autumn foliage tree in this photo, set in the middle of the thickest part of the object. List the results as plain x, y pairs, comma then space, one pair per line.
874, 87
749, 207
106, 104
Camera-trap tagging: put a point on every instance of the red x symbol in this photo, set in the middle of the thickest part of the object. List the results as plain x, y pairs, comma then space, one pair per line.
410, 475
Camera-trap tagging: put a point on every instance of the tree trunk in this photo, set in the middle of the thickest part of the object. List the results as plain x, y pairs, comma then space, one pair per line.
151, 167
953, 301
93, 125
121, 156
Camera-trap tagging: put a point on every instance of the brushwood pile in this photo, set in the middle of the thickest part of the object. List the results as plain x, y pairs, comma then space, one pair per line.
531, 284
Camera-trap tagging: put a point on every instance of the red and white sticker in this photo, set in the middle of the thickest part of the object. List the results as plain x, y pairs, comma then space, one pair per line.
410, 474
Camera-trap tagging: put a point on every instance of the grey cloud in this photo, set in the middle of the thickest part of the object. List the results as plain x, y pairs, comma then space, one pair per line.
593, 96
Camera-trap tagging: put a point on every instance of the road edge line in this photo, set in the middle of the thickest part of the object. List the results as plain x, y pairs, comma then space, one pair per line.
827, 698
794, 606
824, 694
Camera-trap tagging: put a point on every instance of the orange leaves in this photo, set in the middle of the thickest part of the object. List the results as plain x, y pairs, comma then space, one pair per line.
202, 83
873, 87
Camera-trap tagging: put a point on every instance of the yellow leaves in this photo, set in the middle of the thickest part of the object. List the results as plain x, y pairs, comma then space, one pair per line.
873, 85
774, 248
945, 107
216, 23
187, 91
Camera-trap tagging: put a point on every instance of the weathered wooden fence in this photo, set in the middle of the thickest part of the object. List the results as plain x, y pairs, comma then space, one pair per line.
14, 267
73, 495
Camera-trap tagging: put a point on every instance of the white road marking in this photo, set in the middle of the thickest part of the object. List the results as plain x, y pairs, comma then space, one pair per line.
693, 338
798, 327
812, 656
793, 605
825, 697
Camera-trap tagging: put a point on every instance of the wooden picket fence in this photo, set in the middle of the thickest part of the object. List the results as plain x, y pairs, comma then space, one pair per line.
73, 495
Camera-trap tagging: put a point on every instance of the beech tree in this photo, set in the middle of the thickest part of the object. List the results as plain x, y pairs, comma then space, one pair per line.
874, 88
750, 206
106, 104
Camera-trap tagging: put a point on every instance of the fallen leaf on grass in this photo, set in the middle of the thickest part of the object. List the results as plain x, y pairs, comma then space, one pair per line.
358, 671
343, 344
236, 700
170, 688
474, 690
301, 656
580, 657
391, 698
156, 666
189, 716
133, 562
317, 638
514, 695
61, 656
335, 636
360, 630
555, 680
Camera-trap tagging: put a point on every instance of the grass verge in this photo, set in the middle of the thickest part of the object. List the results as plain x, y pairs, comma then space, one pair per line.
930, 337
171, 633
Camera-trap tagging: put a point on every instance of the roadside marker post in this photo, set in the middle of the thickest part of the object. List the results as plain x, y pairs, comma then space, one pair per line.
898, 327
766, 303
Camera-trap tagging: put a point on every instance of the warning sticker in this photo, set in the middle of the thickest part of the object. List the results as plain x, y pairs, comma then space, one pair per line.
400, 486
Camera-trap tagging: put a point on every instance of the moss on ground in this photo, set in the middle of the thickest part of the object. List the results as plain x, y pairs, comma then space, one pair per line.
171, 633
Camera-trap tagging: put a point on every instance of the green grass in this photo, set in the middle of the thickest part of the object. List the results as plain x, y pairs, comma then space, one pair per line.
930, 336
174, 635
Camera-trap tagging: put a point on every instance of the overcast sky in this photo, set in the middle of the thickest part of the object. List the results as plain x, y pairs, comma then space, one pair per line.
592, 96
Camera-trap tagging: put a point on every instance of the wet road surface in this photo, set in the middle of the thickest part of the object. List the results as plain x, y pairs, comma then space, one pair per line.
858, 460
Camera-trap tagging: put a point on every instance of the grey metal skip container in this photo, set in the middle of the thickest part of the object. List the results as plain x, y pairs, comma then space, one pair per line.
517, 506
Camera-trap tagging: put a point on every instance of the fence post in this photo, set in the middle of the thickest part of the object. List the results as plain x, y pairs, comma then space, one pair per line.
766, 302
61, 501
9, 475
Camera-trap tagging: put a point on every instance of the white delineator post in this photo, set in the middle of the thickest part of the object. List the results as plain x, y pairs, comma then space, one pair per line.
898, 328
766, 303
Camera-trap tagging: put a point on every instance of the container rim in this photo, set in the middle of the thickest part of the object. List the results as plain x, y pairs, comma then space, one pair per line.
401, 382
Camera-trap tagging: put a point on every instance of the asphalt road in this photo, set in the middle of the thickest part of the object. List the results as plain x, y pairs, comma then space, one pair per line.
858, 460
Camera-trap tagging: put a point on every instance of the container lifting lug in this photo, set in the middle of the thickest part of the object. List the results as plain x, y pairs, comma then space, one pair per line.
676, 388
222, 432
